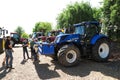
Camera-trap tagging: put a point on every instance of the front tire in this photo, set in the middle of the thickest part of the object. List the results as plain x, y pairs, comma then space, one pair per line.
101, 50
68, 55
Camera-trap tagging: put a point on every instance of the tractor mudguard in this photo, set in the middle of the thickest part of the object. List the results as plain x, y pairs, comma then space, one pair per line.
97, 37
46, 49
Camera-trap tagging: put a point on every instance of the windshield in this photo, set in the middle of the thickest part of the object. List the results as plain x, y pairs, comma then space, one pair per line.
79, 30
15, 35
38, 34
33, 36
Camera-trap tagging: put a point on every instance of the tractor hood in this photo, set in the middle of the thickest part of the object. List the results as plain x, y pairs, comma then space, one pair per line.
67, 38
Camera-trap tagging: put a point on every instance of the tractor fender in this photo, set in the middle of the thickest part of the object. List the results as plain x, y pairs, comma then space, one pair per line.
58, 46
97, 37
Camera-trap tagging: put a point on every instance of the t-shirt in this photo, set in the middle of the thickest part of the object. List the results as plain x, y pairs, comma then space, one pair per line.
7, 43
32, 43
25, 44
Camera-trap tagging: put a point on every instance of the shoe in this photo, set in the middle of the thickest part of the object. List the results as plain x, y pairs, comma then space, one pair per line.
38, 60
11, 68
25, 60
3, 63
6, 67
29, 58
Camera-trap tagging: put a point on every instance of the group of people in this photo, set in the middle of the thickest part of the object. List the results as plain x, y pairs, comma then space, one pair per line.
8, 59
34, 53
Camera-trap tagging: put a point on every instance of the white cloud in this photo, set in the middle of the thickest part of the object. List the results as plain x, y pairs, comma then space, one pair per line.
26, 13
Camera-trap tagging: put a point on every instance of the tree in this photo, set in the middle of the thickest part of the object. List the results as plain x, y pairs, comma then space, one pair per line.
74, 13
97, 13
111, 11
19, 30
42, 27
25, 35
115, 13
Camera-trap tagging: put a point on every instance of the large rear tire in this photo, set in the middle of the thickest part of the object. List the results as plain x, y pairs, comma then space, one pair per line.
101, 50
68, 55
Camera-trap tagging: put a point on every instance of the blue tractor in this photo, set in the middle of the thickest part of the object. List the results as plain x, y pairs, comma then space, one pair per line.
85, 42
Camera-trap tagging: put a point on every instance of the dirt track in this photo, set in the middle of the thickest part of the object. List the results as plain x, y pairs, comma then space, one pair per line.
86, 70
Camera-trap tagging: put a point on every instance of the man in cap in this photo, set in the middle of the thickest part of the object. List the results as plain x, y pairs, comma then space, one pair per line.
8, 51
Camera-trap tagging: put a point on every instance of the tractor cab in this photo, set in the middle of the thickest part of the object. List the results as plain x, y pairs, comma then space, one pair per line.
39, 35
15, 38
87, 30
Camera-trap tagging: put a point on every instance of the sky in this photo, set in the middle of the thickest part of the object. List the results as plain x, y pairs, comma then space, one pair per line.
26, 13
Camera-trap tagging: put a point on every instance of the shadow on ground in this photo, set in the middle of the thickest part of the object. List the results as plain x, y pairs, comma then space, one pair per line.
85, 67
110, 68
23, 62
44, 72
4, 72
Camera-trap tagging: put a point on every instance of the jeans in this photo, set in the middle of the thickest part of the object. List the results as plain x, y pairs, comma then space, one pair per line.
35, 55
32, 51
9, 58
25, 51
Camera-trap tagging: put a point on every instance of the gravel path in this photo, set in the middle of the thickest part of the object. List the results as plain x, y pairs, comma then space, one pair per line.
47, 70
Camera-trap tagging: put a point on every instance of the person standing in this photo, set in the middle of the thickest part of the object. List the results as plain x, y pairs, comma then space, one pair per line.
31, 47
25, 45
35, 54
8, 51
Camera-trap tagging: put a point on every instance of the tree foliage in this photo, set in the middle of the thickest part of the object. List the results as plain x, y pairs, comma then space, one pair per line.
42, 26
25, 35
111, 11
19, 30
97, 13
79, 12
74, 13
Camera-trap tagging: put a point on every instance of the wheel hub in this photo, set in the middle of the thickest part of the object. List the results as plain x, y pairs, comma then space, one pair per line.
70, 55
103, 50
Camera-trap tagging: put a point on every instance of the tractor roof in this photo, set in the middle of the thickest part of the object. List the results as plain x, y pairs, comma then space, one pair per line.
13, 33
86, 23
